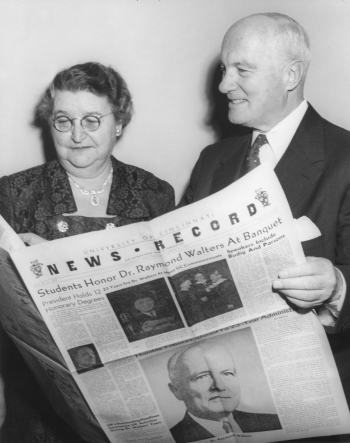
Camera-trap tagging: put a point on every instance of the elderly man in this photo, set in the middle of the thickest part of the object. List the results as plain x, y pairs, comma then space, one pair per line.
204, 377
223, 295
151, 319
189, 302
84, 359
265, 59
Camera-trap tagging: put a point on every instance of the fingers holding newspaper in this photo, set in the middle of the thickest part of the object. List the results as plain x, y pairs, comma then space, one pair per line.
309, 284
31, 239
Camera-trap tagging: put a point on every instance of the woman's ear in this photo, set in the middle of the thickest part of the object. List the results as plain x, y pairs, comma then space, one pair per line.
118, 129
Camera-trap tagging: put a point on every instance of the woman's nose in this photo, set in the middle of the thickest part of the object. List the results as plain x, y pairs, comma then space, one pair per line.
78, 132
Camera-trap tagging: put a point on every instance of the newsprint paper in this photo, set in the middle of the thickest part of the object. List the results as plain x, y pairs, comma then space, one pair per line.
169, 330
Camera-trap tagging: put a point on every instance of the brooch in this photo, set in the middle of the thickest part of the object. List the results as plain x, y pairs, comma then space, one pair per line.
62, 226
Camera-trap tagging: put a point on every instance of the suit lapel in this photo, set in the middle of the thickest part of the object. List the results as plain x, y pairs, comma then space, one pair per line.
232, 163
193, 431
303, 162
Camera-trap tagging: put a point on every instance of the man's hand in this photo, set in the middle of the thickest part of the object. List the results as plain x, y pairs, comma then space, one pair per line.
31, 239
310, 284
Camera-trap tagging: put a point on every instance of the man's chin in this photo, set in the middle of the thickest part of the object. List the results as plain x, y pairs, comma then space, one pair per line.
236, 119
221, 407
217, 415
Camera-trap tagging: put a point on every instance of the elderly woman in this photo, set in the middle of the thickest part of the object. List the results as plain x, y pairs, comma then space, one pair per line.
85, 189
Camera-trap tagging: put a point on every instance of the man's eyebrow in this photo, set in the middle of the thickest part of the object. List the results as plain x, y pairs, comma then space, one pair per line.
234, 370
244, 63
196, 374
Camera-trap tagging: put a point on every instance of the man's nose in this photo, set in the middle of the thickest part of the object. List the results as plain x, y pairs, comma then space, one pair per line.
228, 83
217, 383
78, 132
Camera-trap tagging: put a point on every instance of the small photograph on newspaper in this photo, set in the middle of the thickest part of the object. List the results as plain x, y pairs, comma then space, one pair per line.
85, 358
213, 387
145, 310
206, 291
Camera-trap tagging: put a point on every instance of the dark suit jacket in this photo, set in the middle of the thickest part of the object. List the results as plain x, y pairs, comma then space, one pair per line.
188, 430
192, 306
315, 175
224, 295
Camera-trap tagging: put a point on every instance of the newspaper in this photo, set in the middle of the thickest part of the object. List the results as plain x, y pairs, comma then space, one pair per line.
194, 284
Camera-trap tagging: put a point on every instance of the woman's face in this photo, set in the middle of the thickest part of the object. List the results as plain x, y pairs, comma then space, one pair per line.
78, 150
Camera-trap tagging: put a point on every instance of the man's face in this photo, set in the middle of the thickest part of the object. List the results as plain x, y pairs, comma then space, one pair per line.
144, 304
86, 357
185, 286
215, 277
209, 385
199, 278
254, 75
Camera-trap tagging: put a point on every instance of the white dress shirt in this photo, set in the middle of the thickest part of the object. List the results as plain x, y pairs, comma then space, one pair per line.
216, 427
280, 136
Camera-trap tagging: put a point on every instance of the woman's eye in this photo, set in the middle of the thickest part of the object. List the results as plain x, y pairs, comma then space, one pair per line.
91, 119
62, 119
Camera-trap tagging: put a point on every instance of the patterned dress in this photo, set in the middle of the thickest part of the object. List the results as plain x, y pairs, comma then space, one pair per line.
34, 201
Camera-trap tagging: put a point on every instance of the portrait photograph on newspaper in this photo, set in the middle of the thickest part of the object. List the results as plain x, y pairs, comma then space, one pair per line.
145, 310
213, 387
206, 291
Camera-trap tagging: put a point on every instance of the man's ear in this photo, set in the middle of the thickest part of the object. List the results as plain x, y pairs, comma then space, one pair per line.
175, 391
295, 73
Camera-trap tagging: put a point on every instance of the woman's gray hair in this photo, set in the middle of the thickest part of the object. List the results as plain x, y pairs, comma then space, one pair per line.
93, 77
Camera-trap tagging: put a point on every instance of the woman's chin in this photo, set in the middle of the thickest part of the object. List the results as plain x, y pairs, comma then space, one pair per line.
81, 159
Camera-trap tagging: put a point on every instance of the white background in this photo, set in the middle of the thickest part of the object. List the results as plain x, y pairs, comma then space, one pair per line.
167, 51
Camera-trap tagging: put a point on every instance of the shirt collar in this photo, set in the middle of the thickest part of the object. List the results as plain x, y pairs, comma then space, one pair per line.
215, 427
280, 136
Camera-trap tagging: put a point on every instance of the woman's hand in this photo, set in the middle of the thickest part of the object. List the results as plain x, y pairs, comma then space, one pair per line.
2, 402
31, 239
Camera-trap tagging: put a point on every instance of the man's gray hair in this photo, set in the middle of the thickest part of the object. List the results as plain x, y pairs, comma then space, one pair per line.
292, 35
173, 368
172, 363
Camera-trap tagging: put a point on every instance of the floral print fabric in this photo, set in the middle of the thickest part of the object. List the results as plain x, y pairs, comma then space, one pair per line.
32, 200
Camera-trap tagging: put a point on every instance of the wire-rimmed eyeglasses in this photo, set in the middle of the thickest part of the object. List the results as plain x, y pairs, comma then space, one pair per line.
90, 123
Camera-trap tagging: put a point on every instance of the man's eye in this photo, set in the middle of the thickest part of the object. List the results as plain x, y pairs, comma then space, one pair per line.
222, 70
200, 377
62, 119
231, 373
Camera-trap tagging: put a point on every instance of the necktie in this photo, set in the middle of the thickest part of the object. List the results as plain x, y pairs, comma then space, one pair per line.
227, 426
253, 159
